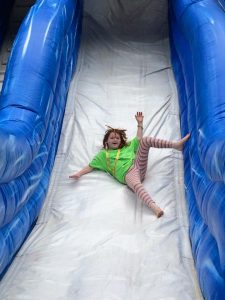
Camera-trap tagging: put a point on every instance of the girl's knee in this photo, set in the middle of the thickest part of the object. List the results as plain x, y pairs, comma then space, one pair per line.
132, 185
143, 140
137, 186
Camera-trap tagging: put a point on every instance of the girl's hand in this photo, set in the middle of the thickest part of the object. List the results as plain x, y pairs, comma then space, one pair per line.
75, 176
85, 170
139, 117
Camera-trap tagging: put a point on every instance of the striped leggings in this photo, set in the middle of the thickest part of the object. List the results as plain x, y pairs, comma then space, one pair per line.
136, 174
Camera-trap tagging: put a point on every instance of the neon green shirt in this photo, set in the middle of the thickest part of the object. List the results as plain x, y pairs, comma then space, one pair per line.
125, 161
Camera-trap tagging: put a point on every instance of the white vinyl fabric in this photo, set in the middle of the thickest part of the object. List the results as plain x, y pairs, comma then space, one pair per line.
94, 240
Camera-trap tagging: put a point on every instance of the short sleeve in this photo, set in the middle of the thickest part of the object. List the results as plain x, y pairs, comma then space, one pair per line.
98, 161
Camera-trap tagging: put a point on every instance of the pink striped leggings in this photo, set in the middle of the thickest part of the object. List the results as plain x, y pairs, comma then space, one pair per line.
136, 174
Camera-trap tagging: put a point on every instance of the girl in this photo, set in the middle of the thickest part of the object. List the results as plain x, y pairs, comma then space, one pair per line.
127, 161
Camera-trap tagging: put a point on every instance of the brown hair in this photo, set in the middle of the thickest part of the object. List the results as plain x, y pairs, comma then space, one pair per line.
121, 133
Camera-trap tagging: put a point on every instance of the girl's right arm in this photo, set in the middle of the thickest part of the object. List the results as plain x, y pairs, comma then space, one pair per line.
84, 171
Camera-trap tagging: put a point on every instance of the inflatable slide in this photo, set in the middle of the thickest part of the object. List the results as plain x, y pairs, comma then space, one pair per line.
74, 67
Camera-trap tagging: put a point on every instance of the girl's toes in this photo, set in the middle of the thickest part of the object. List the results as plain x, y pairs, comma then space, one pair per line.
160, 213
186, 138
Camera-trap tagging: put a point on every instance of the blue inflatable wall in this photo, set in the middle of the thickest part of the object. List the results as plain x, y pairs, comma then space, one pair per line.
32, 105
197, 38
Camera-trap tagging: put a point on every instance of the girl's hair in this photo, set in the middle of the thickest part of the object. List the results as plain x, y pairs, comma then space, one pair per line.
121, 133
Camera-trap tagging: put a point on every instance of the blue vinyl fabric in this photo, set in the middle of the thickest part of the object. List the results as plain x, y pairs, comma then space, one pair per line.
32, 104
197, 37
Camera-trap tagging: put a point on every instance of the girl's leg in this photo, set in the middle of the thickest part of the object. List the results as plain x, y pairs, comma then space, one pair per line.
141, 161
133, 181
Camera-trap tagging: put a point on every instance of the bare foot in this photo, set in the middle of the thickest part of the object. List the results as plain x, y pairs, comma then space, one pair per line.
160, 213
179, 145
157, 210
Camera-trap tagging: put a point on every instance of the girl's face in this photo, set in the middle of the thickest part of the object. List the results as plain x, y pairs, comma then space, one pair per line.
114, 140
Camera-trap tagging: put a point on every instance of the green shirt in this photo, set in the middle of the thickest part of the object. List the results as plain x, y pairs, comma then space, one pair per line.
125, 161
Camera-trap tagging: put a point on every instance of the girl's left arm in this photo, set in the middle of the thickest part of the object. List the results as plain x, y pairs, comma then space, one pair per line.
82, 172
139, 118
